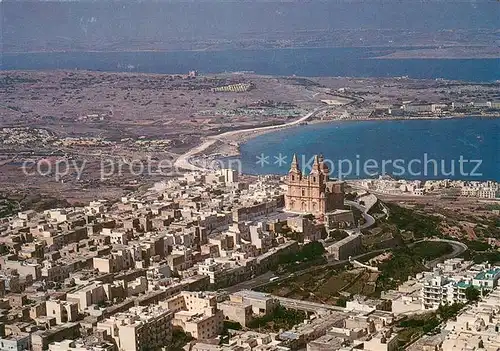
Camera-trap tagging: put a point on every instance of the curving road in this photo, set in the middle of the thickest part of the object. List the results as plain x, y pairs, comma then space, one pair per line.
458, 249
263, 279
369, 220
183, 161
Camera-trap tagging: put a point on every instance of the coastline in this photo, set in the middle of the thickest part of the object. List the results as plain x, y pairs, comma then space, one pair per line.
400, 51
184, 161
232, 140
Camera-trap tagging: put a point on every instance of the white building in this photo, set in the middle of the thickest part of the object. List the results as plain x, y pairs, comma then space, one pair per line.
477, 327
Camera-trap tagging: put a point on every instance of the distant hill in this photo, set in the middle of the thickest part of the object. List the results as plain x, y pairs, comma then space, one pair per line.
131, 25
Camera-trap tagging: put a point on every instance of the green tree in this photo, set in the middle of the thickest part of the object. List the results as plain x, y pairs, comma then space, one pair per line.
472, 294
448, 311
312, 250
281, 318
341, 301
338, 234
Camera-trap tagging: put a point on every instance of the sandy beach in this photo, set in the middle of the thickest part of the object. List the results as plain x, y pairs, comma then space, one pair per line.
227, 144
234, 138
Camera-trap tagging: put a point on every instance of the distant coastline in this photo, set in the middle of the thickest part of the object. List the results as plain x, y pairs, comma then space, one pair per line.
445, 53
469, 137
247, 135
398, 52
359, 61
230, 144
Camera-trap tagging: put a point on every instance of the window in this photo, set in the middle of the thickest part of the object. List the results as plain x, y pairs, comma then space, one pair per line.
303, 192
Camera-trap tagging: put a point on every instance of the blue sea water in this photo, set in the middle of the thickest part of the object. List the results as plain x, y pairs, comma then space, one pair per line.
426, 149
440, 145
346, 62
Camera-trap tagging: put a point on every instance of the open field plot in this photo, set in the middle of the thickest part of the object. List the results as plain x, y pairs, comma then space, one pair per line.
326, 285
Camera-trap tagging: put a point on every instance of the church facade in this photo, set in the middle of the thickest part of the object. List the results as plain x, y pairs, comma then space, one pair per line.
314, 193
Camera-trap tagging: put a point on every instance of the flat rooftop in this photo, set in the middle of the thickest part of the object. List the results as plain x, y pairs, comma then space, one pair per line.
250, 294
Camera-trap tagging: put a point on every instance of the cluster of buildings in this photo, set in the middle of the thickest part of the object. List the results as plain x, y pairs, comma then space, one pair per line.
83, 141
388, 185
359, 326
413, 108
125, 276
234, 88
475, 328
25, 136
484, 190
495, 105
122, 276
445, 284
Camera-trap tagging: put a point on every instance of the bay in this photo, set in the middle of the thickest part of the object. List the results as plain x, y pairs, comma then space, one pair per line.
426, 149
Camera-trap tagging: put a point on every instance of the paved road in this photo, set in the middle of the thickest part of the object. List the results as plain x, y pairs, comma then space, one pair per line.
307, 305
183, 161
263, 279
369, 220
368, 199
252, 283
458, 249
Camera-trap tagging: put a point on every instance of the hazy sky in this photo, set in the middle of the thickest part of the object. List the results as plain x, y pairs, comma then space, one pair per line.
32, 21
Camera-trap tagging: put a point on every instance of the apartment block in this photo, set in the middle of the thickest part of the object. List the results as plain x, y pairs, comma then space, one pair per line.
140, 328
62, 311
87, 296
196, 313
262, 303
